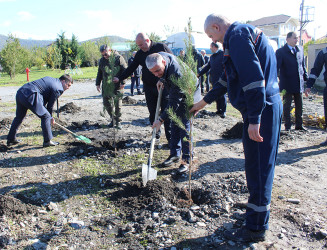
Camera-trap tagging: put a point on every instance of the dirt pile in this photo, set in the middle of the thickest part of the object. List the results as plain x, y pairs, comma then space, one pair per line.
129, 100
236, 132
70, 108
12, 207
5, 123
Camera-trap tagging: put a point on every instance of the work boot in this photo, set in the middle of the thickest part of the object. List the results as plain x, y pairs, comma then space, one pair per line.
118, 125
245, 235
170, 160
50, 144
13, 142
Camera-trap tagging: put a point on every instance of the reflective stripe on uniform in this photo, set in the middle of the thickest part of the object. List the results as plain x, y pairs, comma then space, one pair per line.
253, 85
259, 208
313, 76
222, 82
226, 52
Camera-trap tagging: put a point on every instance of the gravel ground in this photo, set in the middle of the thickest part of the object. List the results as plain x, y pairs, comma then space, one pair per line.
89, 196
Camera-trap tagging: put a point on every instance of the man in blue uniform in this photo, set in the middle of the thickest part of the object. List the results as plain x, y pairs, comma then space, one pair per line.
292, 75
148, 47
166, 67
135, 77
38, 96
320, 61
215, 65
252, 86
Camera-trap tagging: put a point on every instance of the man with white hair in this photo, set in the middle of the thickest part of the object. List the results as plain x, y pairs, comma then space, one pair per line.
166, 67
251, 71
148, 47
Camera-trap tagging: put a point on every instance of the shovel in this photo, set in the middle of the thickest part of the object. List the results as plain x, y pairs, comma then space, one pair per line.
78, 137
149, 173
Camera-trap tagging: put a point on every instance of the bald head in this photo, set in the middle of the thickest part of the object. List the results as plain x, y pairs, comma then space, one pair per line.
143, 41
215, 26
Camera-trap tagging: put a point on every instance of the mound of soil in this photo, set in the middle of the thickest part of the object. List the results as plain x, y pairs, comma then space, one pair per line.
12, 207
134, 198
205, 114
236, 132
129, 100
70, 108
5, 123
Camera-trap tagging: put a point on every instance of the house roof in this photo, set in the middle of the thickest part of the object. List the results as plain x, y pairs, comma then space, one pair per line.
269, 20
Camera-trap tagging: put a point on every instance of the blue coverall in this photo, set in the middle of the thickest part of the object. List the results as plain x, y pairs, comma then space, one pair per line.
252, 86
320, 61
35, 96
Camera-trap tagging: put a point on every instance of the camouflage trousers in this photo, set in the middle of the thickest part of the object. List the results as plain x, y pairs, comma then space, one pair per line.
113, 106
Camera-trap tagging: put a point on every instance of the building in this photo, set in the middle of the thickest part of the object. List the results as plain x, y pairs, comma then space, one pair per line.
277, 27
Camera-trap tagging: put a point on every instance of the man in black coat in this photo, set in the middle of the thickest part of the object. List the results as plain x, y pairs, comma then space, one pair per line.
292, 75
206, 60
148, 47
199, 60
38, 96
135, 77
215, 66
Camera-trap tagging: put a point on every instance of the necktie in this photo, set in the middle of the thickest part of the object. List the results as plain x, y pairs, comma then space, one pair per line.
294, 51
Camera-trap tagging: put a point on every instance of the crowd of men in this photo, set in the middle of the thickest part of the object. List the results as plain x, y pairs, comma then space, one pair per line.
246, 67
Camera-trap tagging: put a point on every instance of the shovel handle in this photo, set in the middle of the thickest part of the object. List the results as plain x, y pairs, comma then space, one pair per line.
67, 130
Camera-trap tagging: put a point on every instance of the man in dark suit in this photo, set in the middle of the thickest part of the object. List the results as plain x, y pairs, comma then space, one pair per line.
38, 96
206, 60
292, 75
135, 77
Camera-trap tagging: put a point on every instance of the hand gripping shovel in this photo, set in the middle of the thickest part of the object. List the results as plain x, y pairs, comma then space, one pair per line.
149, 173
78, 137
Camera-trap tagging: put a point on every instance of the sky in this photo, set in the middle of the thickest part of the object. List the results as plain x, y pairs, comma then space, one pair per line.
87, 19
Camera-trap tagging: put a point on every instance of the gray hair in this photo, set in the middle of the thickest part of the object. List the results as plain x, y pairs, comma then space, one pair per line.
215, 19
153, 60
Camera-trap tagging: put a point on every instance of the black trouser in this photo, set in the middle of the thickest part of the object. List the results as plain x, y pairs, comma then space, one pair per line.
151, 97
287, 101
325, 104
221, 103
34, 103
135, 81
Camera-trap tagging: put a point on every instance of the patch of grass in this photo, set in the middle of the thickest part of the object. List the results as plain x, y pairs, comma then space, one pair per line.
20, 79
230, 110
8, 104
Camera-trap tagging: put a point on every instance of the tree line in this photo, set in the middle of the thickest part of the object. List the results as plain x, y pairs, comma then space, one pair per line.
60, 54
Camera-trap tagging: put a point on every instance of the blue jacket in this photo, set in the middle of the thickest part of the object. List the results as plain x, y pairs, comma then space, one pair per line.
49, 88
291, 69
320, 61
176, 99
138, 71
215, 65
198, 58
250, 72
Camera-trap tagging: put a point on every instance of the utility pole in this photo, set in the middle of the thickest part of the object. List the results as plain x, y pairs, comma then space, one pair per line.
306, 16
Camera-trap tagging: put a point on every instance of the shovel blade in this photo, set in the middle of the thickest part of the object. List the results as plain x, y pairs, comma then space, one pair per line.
148, 174
83, 138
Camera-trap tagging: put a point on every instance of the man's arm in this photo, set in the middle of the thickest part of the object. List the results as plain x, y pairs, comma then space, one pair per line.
315, 72
204, 69
128, 71
98, 80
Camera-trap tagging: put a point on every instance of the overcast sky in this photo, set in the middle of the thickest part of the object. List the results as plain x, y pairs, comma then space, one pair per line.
88, 19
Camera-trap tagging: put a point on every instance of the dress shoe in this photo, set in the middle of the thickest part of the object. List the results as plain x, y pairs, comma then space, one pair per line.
245, 235
118, 126
301, 128
139, 93
111, 124
170, 160
183, 168
50, 144
13, 142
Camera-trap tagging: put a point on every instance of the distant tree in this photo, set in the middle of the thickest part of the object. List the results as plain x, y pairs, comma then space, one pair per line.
305, 46
14, 58
89, 53
154, 37
53, 57
37, 56
65, 51
75, 51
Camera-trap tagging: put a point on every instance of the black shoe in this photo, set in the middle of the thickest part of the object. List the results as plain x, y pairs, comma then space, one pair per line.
118, 125
323, 143
13, 142
139, 92
287, 129
50, 144
111, 124
183, 168
223, 115
301, 128
245, 235
132, 94
170, 160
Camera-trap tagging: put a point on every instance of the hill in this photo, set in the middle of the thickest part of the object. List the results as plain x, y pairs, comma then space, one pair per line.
29, 43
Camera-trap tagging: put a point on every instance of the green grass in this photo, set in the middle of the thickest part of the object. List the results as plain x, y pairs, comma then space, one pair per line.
230, 110
20, 79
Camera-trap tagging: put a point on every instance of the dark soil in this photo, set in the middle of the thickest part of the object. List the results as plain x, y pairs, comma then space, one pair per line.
236, 132
13, 208
70, 108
